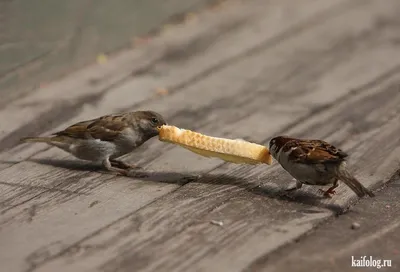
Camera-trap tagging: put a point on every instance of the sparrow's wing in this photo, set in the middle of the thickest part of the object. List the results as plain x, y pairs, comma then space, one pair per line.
78, 130
314, 151
105, 128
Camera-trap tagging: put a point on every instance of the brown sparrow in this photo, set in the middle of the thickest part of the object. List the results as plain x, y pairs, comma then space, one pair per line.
314, 162
106, 138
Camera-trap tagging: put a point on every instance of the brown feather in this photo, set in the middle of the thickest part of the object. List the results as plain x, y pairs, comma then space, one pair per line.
345, 176
314, 151
105, 128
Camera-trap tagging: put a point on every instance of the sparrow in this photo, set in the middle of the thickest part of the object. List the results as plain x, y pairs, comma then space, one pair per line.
314, 162
106, 138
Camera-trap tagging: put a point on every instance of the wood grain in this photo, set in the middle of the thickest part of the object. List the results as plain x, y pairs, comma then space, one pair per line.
230, 193
330, 247
166, 62
74, 99
175, 99
145, 154
71, 35
57, 196
257, 220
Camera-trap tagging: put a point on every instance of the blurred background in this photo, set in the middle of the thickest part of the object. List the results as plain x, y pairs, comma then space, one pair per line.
42, 40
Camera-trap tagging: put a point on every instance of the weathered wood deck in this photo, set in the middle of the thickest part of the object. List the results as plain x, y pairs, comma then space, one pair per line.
249, 69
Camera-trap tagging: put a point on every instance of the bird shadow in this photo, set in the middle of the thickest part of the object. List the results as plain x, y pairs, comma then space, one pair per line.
272, 192
70, 164
261, 189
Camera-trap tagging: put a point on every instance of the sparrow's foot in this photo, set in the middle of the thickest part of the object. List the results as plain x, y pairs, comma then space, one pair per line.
127, 173
331, 191
328, 193
118, 171
123, 165
123, 168
107, 164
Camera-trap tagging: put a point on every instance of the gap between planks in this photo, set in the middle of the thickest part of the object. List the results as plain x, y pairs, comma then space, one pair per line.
257, 115
151, 155
177, 225
64, 100
87, 182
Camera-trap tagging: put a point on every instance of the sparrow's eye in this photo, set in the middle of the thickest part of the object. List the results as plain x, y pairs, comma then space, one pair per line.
154, 121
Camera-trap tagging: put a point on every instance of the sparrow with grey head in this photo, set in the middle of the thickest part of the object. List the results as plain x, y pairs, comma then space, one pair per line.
315, 162
106, 138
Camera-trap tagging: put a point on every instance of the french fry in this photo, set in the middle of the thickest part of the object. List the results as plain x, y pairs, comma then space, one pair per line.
235, 151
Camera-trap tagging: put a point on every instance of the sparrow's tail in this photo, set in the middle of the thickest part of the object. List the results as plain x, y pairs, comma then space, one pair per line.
352, 182
47, 140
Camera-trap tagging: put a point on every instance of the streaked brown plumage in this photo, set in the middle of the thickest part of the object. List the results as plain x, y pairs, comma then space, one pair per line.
315, 162
106, 138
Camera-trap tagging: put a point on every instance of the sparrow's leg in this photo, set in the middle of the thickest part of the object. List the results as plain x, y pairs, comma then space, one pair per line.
123, 165
298, 186
111, 166
331, 190
107, 164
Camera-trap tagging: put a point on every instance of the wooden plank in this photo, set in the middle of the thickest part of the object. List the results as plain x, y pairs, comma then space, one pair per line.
332, 245
375, 165
176, 99
167, 62
160, 223
247, 200
70, 35
149, 154
48, 197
